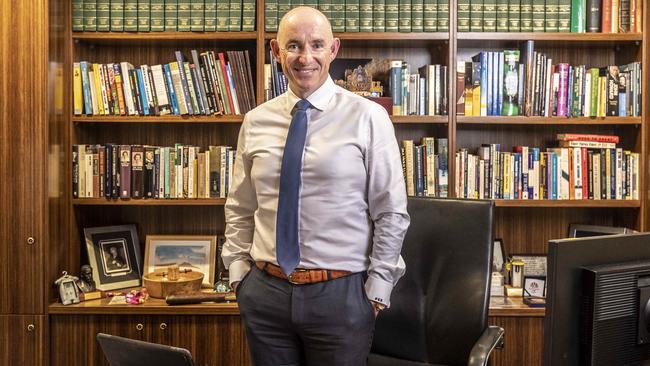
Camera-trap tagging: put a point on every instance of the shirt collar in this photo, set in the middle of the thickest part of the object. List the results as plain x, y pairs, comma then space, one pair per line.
319, 98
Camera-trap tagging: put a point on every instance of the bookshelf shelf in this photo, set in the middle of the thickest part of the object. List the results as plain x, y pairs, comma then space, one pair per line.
158, 119
383, 36
553, 37
420, 119
521, 120
162, 36
569, 203
149, 202
150, 307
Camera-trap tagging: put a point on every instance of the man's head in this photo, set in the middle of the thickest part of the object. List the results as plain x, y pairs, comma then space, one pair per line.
305, 47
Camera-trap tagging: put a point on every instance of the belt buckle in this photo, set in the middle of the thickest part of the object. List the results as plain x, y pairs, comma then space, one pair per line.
290, 276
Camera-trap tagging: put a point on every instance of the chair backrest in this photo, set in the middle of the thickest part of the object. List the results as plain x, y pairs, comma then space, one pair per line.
120, 351
440, 307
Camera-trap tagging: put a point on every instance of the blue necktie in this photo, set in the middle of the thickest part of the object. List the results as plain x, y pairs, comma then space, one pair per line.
287, 248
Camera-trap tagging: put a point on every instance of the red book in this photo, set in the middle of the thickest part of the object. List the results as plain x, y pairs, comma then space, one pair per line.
606, 24
226, 79
587, 137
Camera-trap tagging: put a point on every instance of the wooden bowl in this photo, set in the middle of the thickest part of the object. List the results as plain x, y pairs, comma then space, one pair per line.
159, 286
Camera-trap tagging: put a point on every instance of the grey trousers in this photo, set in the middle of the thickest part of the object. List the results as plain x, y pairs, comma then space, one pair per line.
328, 323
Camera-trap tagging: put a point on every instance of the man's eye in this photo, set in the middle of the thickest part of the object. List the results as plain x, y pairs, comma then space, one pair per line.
318, 46
292, 47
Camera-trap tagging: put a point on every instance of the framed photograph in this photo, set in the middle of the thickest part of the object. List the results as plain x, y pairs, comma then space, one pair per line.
195, 252
114, 256
534, 264
498, 256
534, 286
581, 231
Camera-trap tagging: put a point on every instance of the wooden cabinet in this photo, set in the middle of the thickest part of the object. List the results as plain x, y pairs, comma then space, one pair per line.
523, 341
23, 340
213, 340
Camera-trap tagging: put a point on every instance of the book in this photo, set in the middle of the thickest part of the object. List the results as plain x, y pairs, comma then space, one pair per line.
510, 83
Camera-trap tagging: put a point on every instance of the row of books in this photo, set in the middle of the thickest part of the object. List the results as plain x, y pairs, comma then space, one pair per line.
500, 84
425, 167
213, 83
157, 172
606, 16
368, 15
577, 170
275, 81
423, 93
163, 15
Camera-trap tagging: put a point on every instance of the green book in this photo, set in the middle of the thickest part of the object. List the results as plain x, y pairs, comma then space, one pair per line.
338, 15
595, 73
103, 15
564, 16
248, 15
223, 15
443, 15
144, 15
365, 15
404, 15
235, 16
526, 21
538, 16
157, 15
417, 15
77, 15
285, 5
117, 15
510, 83
352, 15
325, 7
271, 15
476, 16
392, 15
197, 16
171, 15
430, 15
489, 15
514, 16
90, 16
130, 15
379, 15
210, 11
463, 15
502, 15
551, 16
578, 16
184, 15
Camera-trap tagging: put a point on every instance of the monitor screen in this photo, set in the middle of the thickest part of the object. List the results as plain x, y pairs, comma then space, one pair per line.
567, 259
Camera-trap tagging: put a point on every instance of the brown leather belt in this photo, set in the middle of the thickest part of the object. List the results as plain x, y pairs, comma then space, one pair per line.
302, 276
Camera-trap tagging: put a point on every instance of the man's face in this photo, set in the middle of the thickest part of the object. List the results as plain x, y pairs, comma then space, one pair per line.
305, 48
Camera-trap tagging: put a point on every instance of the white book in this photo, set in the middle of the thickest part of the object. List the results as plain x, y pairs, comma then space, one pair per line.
535, 174
547, 92
471, 176
596, 176
223, 165
93, 92
481, 179
179, 171
587, 98
125, 67
81, 149
577, 172
619, 173
161, 172
190, 172
457, 169
206, 166
525, 171
89, 175
635, 176
160, 89
231, 162
512, 176
148, 89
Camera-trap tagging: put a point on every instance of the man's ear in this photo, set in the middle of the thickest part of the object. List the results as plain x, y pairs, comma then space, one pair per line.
334, 50
275, 47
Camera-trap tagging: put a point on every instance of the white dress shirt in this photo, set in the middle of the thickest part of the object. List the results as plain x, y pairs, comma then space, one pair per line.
352, 199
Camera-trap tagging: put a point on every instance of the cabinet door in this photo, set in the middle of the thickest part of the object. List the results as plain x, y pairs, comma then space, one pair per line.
523, 344
23, 142
73, 337
212, 340
24, 343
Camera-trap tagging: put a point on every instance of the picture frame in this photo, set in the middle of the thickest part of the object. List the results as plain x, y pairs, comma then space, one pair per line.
583, 230
534, 264
534, 286
114, 256
498, 256
194, 252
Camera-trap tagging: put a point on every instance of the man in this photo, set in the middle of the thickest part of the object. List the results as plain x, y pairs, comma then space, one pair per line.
316, 213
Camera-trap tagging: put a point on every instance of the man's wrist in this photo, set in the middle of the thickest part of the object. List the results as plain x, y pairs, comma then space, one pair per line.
377, 306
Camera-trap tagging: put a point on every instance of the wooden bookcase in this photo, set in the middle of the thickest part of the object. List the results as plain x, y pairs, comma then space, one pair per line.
525, 226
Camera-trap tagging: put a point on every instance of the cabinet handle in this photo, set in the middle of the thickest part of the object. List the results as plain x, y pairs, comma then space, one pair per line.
31, 240
163, 326
31, 327
139, 326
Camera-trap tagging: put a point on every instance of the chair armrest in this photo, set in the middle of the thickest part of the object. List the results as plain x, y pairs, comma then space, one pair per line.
492, 337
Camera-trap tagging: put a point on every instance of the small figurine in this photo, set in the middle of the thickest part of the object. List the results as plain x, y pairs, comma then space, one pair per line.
86, 283
68, 291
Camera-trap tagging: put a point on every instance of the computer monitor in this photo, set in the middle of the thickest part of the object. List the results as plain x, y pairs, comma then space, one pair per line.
567, 260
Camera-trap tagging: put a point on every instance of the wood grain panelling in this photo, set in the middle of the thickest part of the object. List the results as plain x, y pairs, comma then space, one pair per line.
23, 338
23, 148
212, 340
523, 342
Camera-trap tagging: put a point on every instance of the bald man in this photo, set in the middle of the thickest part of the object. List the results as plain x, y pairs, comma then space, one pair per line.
316, 213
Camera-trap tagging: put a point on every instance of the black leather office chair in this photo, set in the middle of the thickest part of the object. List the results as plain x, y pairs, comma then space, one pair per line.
439, 309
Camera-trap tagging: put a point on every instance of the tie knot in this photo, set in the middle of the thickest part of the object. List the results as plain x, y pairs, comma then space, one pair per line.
303, 104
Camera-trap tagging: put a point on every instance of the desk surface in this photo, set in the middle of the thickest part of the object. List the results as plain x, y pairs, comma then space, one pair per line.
513, 306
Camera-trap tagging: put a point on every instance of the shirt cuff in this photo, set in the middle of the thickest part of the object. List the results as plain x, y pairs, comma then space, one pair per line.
378, 290
238, 270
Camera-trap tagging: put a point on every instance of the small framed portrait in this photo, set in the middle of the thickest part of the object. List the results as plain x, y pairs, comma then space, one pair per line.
498, 256
534, 286
534, 264
114, 256
194, 252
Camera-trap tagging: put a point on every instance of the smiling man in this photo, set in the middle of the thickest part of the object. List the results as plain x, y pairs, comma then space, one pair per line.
316, 213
